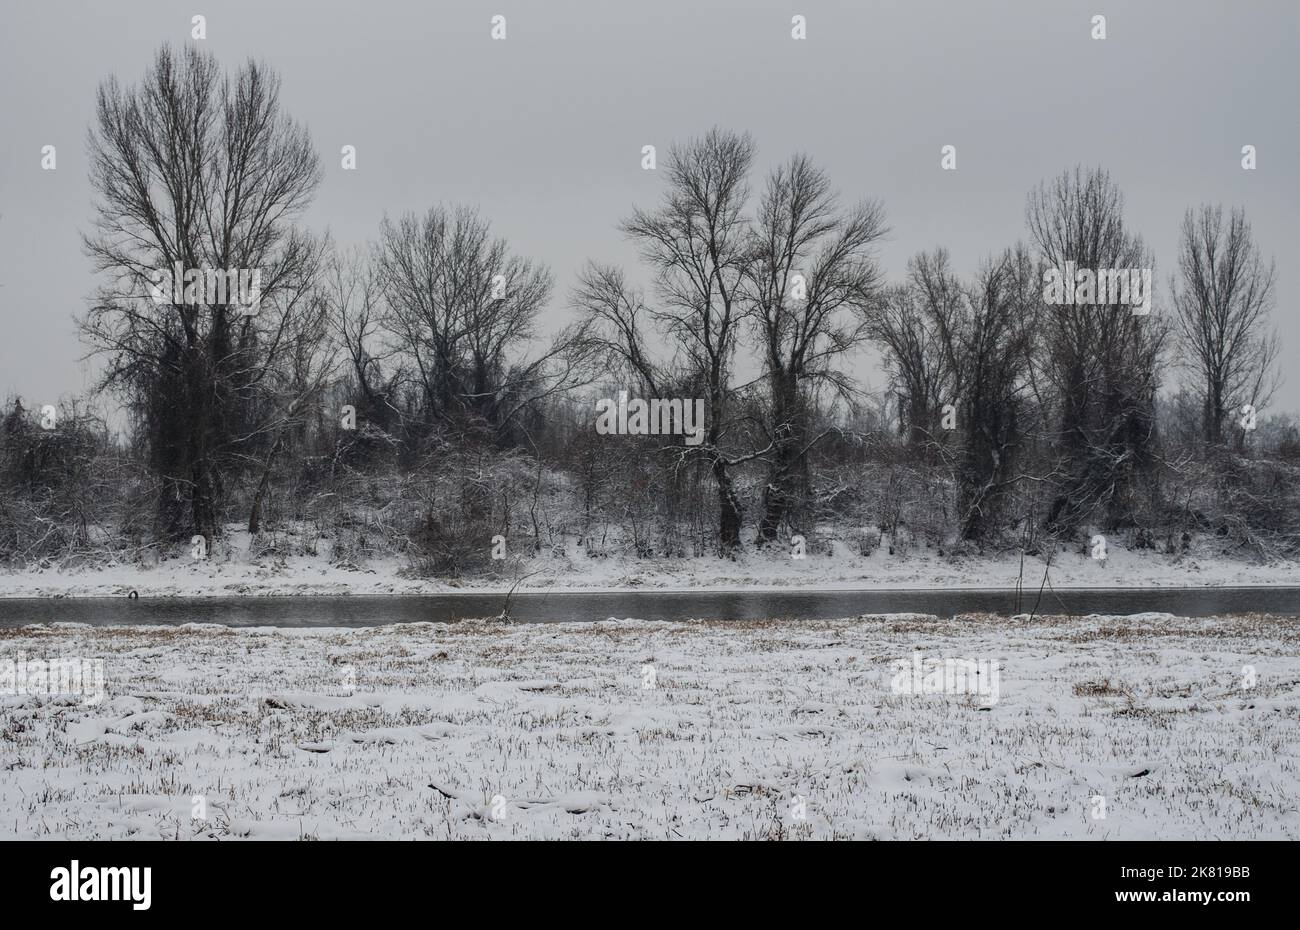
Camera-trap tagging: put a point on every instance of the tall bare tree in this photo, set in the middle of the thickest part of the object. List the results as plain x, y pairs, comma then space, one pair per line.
810, 281
1102, 360
1222, 298
196, 169
698, 244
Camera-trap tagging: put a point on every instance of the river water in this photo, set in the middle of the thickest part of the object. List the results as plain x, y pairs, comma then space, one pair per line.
647, 605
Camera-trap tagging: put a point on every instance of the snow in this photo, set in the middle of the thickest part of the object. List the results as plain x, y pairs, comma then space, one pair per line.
483, 730
236, 572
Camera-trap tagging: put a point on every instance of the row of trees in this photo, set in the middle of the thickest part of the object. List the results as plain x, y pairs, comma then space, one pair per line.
762, 300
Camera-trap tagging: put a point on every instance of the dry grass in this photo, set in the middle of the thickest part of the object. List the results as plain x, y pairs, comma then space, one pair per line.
746, 718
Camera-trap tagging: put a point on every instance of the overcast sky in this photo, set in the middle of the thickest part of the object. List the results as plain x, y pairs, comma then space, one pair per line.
544, 131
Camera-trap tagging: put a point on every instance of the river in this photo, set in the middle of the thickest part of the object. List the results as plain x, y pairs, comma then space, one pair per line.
647, 605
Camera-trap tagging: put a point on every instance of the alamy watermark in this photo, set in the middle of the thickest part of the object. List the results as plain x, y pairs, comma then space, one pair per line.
1103, 287
80, 882
49, 677
922, 675
238, 287
676, 416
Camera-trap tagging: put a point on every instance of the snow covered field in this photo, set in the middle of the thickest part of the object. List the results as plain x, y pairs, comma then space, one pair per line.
632, 729
234, 571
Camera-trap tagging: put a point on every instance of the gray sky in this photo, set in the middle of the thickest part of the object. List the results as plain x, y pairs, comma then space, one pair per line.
544, 130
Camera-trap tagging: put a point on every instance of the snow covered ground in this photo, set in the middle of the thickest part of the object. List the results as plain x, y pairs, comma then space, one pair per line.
234, 571
631, 729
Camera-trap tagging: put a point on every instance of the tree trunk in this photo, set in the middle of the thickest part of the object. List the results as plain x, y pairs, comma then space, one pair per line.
788, 436
203, 504
730, 511
919, 419
255, 516
1213, 416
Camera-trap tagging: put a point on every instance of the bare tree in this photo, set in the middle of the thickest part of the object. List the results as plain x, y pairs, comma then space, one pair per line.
1222, 299
1101, 360
352, 293
965, 347
620, 326
198, 171
987, 347
460, 310
293, 389
810, 282
698, 244
903, 324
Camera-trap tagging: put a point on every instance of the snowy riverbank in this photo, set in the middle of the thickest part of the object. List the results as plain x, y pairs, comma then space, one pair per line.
236, 572
662, 730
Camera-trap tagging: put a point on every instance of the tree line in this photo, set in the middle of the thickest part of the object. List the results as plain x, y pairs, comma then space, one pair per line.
403, 390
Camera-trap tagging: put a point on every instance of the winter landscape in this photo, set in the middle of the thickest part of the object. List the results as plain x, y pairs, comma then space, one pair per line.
573, 328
